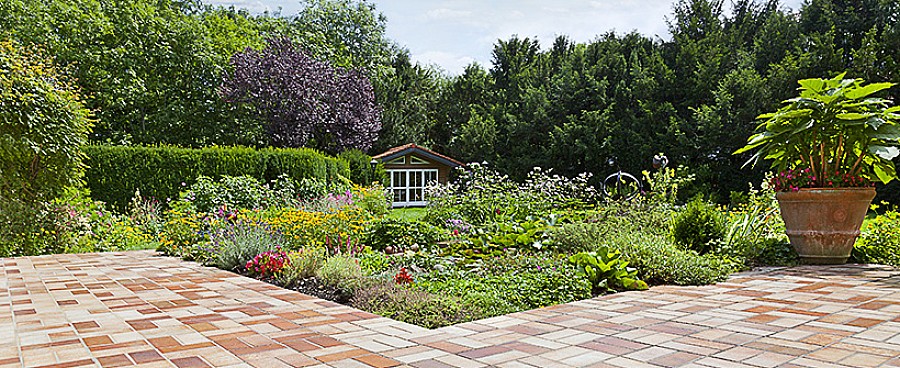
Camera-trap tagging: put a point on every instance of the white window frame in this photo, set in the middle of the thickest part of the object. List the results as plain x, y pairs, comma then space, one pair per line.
408, 189
413, 160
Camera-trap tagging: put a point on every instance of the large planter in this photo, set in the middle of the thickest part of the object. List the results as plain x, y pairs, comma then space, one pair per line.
823, 223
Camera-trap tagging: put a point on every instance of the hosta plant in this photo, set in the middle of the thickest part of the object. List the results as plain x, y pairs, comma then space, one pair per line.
607, 271
835, 127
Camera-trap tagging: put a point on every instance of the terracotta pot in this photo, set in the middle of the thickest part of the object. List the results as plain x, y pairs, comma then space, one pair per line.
823, 223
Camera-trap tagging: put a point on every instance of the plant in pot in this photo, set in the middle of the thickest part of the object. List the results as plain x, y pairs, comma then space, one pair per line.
829, 145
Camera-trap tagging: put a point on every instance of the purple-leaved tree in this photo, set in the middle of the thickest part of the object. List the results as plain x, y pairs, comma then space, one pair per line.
304, 102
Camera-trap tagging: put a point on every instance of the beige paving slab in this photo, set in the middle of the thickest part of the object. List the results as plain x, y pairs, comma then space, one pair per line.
141, 309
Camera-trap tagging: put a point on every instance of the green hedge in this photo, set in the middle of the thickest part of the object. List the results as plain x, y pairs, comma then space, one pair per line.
115, 172
361, 170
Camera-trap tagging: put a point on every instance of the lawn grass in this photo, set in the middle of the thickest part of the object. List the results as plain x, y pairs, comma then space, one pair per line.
408, 213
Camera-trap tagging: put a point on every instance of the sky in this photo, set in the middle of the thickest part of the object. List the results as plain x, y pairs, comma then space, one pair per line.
451, 34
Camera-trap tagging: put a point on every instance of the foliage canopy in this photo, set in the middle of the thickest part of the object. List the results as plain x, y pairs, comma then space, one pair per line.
304, 102
43, 125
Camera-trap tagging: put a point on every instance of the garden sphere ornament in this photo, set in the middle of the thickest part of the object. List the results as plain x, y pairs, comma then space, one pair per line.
660, 161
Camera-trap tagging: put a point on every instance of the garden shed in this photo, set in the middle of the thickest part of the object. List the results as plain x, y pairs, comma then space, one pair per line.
410, 169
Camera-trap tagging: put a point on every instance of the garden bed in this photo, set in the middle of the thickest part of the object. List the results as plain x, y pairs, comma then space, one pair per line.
485, 246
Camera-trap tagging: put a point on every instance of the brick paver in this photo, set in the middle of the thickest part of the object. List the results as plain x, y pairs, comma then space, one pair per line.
139, 309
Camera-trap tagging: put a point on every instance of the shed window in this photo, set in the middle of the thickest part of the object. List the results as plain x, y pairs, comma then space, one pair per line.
408, 186
417, 161
397, 161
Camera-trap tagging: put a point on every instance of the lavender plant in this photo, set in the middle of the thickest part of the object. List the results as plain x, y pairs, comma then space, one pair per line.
235, 243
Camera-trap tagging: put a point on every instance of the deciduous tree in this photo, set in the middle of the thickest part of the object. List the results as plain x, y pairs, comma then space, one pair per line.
302, 101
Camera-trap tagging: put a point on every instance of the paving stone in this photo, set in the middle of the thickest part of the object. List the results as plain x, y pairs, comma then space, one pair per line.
136, 308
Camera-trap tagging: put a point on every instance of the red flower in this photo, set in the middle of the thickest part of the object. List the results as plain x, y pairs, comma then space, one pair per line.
267, 264
403, 277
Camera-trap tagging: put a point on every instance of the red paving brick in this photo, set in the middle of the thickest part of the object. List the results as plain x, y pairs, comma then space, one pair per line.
118, 309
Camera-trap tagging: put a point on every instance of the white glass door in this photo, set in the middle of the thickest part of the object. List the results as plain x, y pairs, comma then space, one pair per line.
408, 186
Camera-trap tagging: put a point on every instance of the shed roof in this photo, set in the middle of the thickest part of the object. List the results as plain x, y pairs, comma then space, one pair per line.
398, 151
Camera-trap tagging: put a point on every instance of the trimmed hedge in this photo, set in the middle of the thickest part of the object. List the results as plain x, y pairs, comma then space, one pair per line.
361, 171
116, 172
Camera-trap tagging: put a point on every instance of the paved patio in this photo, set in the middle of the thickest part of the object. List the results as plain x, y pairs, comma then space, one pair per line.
134, 308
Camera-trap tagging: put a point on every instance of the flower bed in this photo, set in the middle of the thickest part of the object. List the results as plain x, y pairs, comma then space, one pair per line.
467, 258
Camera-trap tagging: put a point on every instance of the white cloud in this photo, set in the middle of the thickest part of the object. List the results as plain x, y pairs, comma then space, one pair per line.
447, 14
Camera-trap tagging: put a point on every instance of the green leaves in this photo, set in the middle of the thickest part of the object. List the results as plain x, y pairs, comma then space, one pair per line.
607, 271
852, 116
889, 132
867, 90
43, 125
887, 153
813, 84
828, 128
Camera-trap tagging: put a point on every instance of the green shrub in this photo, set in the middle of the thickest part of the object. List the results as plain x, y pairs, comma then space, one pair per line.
374, 199
30, 229
666, 182
429, 310
43, 125
481, 195
116, 172
657, 259
146, 214
310, 188
698, 225
72, 223
402, 235
375, 263
361, 171
342, 272
880, 240
755, 231
304, 263
95, 229
231, 192
495, 239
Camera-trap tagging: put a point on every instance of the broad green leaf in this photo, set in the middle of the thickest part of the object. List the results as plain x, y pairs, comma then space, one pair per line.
893, 109
774, 155
604, 249
752, 161
866, 102
801, 113
885, 152
886, 172
759, 138
523, 239
808, 124
839, 78
812, 84
853, 116
603, 284
875, 122
886, 132
867, 90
